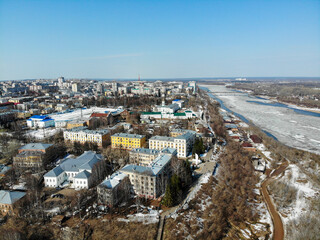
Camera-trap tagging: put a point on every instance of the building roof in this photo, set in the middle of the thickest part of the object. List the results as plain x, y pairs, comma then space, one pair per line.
162, 138
4, 169
114, 180
39, 116
145, 151
186, 135
54, 172
169, 151
7, 197
87, 131
100, 114
36, 146
83, 175
153, 169
127, 135
84, 162
179, 114
150, 113
231, 126
256, 139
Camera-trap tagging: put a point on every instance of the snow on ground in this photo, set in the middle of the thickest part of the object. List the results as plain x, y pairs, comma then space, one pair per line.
76, 114
20, 186
55, 210
146, 218
291, 128
265, 218
203, 179
42, 133
295, 177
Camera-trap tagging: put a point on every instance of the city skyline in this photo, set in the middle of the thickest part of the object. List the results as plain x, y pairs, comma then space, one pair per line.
120, 40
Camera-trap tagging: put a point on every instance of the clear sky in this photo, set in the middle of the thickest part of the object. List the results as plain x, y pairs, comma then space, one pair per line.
159, 39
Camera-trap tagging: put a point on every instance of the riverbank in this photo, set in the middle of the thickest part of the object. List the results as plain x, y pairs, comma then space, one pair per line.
291, 126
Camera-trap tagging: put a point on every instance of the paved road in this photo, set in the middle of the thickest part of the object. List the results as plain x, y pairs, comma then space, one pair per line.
278, 230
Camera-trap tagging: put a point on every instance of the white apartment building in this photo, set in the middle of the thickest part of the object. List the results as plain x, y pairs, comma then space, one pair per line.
82, 135
182, 143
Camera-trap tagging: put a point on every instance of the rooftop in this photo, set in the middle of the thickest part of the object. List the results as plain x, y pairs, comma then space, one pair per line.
127, 135
84, 162
36, 146
7, 197
114, 180
83, 175
86, 130
153, 169
162, 138
145, 151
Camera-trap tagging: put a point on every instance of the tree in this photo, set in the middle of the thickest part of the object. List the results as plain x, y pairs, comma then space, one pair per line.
173, 193
53, 153
198, 147
77, 148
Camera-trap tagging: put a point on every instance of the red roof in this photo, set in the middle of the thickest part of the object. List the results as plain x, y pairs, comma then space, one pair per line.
246, 144
99, 115
255, 139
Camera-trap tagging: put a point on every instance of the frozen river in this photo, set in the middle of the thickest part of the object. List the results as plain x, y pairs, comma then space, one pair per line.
293, 127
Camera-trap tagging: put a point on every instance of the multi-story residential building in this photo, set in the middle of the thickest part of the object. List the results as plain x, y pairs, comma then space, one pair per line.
127, 141
31, 156
37, 121
182, 143
75, 172
82, 135
149, 181
7, 199
114, 189
143, 156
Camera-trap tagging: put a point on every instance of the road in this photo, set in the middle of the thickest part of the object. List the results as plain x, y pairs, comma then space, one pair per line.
278, 230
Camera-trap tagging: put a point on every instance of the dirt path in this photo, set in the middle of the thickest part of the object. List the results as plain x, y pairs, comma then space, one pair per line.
278, 230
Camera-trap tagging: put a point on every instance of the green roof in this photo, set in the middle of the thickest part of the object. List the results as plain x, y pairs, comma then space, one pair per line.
149, 113
179, 114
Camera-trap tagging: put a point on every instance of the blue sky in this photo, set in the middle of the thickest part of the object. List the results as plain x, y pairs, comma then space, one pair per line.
159, 39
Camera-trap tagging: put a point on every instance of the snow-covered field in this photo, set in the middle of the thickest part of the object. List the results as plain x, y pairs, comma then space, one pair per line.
76, 114
306, 191
42, 133
291, 128
146, 218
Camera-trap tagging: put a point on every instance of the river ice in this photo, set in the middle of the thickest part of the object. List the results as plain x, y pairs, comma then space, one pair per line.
291, 128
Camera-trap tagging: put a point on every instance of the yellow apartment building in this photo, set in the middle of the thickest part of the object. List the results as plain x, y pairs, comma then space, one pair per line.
127, 141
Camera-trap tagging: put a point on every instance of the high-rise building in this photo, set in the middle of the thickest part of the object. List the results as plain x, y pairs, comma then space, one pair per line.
114, 86
100, 88
75, 87
192, 84
60, 81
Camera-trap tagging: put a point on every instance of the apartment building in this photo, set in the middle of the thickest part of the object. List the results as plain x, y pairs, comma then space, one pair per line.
182, 143
127, 141
143, 156
31, 156
82, 135
149, 181
114, 189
